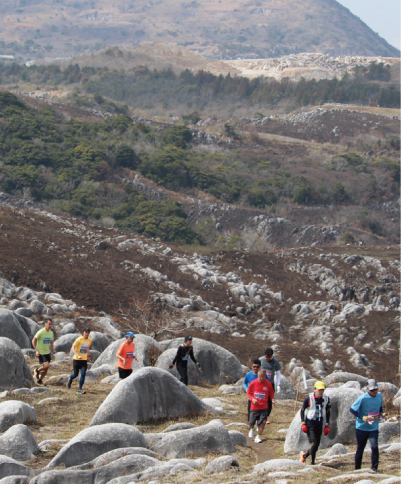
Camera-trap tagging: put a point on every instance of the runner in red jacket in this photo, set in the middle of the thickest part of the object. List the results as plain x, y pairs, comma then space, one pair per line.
259, 392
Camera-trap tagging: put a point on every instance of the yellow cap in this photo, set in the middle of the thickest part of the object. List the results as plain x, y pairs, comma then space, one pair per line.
319, 385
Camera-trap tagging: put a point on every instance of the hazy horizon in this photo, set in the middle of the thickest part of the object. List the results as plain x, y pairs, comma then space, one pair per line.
382, 17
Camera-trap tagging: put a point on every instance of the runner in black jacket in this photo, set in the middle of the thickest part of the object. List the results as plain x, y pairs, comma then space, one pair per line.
184, 352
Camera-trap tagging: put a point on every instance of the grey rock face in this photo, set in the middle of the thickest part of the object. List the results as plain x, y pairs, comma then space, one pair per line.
28, 325
101, 372
65, 342
343, 377
108, 326
38, 307
26, 312
95, 441
166, 358
296, 375
277, 465
15, 412
286, 390
149, 393
102, 475
10, 467
69, 328
11, 329
388, 389
15, 304
14, 370
145, 349
342, 422
388, 430
218, 365
337, 449
221, 464
179, 426
18, 443
238, 438
7, 288
100, 341
212, 437
113, 455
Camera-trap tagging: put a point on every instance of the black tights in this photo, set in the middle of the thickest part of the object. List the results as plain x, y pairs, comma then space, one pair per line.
314, 436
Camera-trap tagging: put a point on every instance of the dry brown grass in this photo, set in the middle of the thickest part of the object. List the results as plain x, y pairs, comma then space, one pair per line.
64, 419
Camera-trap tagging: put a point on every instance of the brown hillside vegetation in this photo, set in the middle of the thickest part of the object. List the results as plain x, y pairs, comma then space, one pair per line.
226, 29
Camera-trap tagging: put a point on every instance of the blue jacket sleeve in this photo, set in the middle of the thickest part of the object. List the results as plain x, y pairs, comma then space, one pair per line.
246, 383
354, 412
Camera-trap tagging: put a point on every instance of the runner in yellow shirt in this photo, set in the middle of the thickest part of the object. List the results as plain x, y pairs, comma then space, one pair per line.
80, 348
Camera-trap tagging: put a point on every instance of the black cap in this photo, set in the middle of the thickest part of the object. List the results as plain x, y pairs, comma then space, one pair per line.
188, 337
86, 329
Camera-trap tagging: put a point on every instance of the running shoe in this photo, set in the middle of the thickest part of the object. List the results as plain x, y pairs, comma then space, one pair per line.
82, 392
69, 384
302, 457
251, 434
258, 440
40, 382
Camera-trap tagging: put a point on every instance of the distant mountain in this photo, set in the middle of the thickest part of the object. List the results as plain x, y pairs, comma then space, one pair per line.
228, 29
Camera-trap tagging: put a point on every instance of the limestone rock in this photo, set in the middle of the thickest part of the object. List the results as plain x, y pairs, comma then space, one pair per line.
15, 412
221, 464
218, 364
126, 465
212, 437
113, 455
100, 341
69, 328
388, 430
286, 390
10, 328
10, 467
95, 441
337, 449
343, 377
65, 342
275, 465
102, 371
149, 393
14, 370
238, 438
18, 443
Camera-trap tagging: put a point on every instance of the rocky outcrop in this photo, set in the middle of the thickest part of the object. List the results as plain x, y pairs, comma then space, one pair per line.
148, 394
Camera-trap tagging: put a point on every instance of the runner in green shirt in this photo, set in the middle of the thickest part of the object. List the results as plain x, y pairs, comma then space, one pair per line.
43, 344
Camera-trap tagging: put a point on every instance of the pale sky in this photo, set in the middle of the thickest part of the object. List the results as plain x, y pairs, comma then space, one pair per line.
382, 16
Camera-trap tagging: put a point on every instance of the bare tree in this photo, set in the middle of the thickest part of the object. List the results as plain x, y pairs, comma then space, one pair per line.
144, 318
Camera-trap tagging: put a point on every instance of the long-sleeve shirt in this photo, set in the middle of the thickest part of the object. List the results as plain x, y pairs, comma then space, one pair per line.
367, 406
249, 377
183, 355
318, 417
261, 391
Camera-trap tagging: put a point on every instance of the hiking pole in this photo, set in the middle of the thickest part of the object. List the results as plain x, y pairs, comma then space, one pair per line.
299, 382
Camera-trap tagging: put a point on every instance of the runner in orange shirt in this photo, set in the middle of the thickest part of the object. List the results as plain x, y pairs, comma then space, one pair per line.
125, 355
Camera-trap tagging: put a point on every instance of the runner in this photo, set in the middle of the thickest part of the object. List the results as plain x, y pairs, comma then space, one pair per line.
317, 420
43, 343
367, 409
80, 348
184, 352
259, 392
249, 377
272, 367
125, 355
